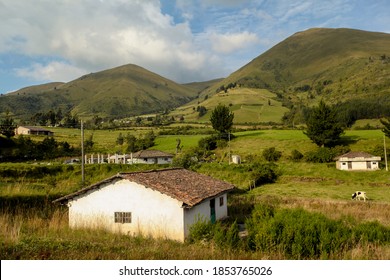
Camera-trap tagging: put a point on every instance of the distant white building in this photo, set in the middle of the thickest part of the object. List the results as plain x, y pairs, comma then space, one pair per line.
143, 157
32, 130
150, 157
159, 203
357, 161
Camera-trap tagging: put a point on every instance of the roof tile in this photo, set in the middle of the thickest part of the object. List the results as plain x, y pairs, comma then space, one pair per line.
187, 186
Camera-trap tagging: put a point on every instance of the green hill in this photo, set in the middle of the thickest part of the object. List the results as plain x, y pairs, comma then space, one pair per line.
119, 92
338, 64
37, 89
348, 68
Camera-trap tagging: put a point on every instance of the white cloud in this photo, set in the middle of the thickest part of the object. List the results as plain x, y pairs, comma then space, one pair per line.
53, 71
296, 10
94, 35
228, 43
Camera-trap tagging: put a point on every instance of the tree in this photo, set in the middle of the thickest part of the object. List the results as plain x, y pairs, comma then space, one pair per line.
131, 141
71, 121
386, 128
146, 142
120, 140
48, 147
88, 144
323, 127
51, 116
202, 110
7, 126
222, 119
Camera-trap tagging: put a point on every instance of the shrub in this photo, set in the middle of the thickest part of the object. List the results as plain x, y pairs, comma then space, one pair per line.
232, 239
298, 234
264, 173
373, 232
201, 230
208, 143
223, 235
222, 143
185, 160
296, 155
321, 155
324, 154
219, 235
271, 154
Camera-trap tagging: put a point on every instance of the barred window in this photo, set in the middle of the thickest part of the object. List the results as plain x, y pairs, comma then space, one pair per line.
122, 217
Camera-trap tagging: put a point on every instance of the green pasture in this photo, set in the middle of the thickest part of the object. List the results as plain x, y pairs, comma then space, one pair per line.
168, 143
248, 105
297, 179
324, 181
251, 142
367, 123
104, 140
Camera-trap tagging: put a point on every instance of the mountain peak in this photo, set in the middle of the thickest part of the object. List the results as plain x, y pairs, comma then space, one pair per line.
316, 55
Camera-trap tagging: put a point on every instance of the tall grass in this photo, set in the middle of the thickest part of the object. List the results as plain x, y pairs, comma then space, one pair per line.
283, 233
299, 234
35, 237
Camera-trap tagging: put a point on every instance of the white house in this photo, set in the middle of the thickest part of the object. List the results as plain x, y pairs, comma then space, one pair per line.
357, 161
159, 203
150, 157
144, 157
32, 130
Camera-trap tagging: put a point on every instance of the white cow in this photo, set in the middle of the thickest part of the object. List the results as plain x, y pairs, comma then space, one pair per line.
359, 195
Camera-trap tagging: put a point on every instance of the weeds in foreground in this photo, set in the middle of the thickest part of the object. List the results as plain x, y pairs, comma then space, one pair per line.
298, 234
272, 232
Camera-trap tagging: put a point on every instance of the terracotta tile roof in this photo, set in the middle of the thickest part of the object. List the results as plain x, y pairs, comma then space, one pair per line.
187, 186
151, 154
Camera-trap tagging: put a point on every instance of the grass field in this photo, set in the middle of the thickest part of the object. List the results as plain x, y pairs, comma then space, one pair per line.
252, 141
42, 232
248, 105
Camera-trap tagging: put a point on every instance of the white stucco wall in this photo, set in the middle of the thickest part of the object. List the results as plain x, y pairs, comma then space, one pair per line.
153, 213
202, 211
22, 130
374, 165
357, 165
164, 160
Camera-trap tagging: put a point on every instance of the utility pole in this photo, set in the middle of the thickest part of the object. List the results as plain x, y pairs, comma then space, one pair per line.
230, 156
384, 145
82, 154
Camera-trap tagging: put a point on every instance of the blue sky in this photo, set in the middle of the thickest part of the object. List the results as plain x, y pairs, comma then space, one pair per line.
184, 40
